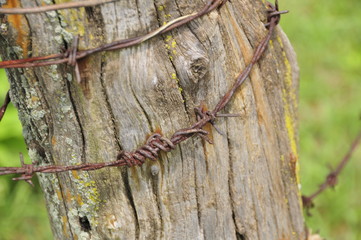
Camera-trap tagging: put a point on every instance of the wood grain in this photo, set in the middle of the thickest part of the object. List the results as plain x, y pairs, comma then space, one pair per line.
244, 186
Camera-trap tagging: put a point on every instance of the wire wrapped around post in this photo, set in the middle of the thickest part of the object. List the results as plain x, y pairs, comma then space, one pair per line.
156, 142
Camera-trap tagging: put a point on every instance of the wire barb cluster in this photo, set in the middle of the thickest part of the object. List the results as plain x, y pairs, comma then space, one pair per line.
72, 55
46, 8
156, 142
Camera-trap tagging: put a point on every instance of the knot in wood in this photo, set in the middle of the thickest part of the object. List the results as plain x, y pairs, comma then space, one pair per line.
199, 68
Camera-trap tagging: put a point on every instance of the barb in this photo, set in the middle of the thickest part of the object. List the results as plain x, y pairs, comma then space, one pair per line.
54, 7
64, 57
156, 142
5, 105
331, 178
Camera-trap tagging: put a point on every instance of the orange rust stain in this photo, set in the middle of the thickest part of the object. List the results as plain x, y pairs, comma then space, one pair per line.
53, 140
112, 221
293, 164
79, 200
260, 117
67, 196
64, 220
19, 23
156, 130
208, 128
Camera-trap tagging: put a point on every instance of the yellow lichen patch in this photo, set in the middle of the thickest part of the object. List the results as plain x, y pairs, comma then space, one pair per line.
75, 174
271, 44
88, 197
34, 99
290, 128
289, 102
58, 193
75, 18
289, 97
174, 44
170, 46
166, 16
19, 23
168, 38
288, 75
174, 77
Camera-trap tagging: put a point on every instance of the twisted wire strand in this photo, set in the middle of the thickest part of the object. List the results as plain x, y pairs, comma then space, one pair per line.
116, 45
46, 8
156, 142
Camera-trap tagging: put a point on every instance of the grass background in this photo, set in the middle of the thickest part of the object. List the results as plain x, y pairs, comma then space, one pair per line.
327, 38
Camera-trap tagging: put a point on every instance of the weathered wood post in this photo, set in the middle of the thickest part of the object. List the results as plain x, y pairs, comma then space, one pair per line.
244, 186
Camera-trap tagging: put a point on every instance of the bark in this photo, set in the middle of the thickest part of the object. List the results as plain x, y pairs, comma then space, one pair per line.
244, 186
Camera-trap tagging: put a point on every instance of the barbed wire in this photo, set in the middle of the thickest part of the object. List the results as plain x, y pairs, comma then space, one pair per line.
331, 178
70, 56
54, 7
156, 142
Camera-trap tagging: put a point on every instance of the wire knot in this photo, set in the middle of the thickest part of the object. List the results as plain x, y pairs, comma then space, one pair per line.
273, 12
28, 171
71, 54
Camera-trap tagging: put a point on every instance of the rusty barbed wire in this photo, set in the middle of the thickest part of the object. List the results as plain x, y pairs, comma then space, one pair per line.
332, 177
71, 55
54, 7
59, 58
156, 142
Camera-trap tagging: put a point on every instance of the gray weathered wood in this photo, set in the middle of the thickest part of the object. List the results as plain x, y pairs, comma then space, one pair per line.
244, 186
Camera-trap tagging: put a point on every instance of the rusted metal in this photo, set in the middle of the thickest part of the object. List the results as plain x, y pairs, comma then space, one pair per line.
54, 7
65, 57
331, 178
156, 142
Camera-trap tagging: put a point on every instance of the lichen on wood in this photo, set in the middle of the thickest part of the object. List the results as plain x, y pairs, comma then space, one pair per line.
219, 191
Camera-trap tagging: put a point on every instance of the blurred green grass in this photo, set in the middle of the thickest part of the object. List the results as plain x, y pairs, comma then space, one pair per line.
327, 38
22, 208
